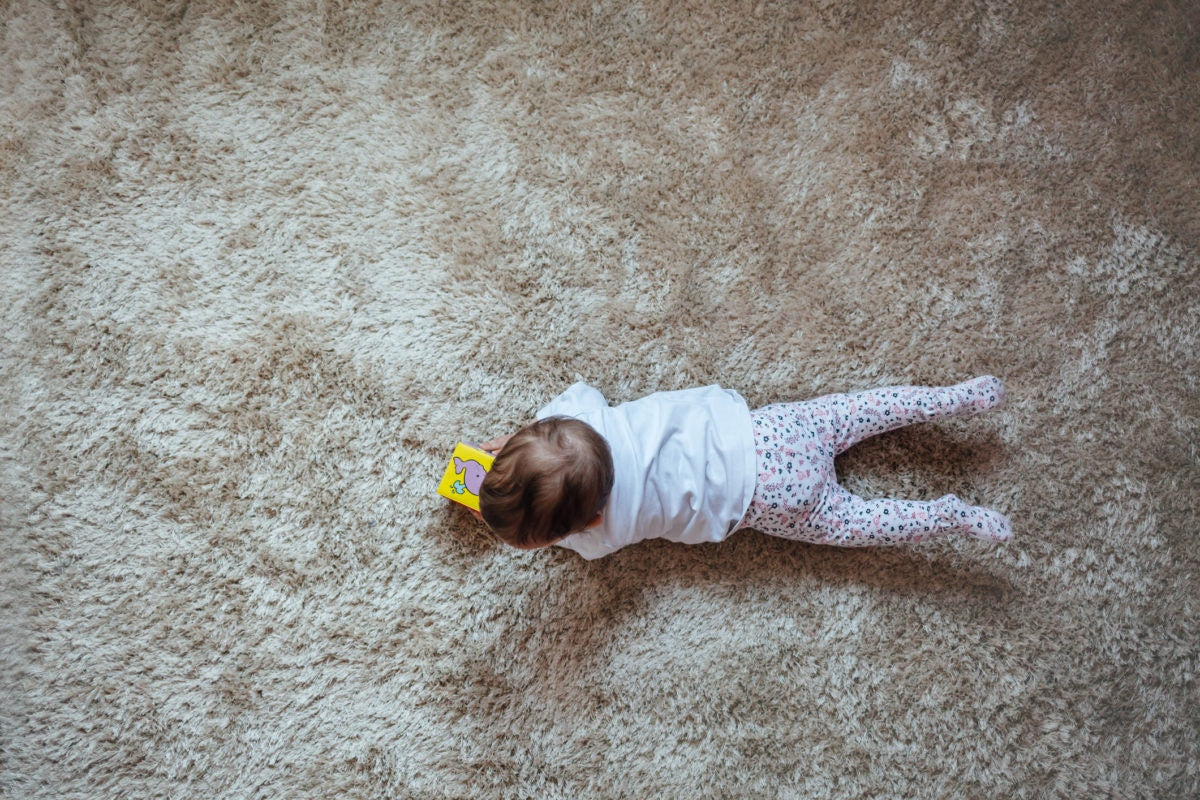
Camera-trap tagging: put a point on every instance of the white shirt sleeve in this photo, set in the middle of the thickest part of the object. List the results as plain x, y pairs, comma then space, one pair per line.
588, 544
579, 397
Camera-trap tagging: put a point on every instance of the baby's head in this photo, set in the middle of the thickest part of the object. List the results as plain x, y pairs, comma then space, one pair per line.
551, 479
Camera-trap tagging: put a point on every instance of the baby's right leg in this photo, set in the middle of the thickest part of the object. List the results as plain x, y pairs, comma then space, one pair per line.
847, 520
847, 419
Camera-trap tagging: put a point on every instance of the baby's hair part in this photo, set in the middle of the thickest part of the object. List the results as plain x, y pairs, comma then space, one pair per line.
551, 479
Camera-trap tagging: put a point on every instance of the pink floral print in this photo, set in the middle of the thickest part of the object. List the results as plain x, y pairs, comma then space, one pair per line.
798, 497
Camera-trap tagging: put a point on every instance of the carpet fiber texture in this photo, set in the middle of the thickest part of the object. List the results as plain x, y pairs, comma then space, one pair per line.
265, 262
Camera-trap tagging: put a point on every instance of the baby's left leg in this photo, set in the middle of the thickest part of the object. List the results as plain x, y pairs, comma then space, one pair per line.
847, 520
846, 419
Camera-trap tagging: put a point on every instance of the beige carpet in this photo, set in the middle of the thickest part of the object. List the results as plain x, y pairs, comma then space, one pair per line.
265, 262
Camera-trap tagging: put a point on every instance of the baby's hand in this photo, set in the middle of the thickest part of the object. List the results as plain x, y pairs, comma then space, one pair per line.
494, 446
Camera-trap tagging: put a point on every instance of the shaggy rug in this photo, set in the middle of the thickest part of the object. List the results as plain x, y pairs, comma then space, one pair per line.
265, 262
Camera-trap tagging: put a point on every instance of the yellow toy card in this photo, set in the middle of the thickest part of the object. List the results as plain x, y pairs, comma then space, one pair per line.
465, 474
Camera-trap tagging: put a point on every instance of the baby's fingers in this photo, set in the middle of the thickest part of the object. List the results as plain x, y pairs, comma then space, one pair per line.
494, 446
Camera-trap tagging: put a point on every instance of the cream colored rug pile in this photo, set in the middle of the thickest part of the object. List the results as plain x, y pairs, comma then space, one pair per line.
263, 263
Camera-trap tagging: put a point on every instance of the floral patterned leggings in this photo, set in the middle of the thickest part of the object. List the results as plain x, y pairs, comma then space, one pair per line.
797, 496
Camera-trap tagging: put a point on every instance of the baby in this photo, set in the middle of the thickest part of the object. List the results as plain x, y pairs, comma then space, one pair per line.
697, 465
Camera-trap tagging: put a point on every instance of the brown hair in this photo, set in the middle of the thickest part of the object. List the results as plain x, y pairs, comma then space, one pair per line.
551, 479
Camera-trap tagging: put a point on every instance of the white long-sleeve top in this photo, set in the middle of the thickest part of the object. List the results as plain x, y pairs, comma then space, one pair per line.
684, 464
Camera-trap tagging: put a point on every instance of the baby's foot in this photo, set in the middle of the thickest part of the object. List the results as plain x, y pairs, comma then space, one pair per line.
973, 521
978, 395
990, 525
985, 392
